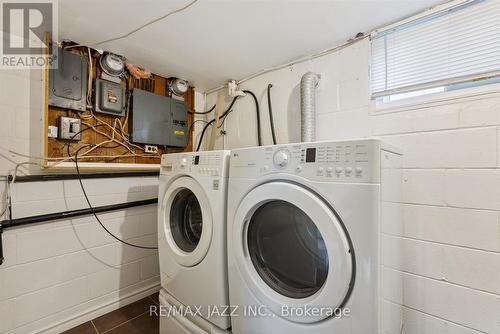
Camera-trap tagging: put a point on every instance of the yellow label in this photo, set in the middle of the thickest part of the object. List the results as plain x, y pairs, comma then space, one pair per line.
179, 132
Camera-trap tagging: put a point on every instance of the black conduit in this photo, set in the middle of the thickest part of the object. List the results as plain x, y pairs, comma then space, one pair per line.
228, 110
103, 175
270, 107
202, 112
4, 224
74, 213
259, 137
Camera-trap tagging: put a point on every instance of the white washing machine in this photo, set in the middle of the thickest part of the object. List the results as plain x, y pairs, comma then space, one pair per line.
303, 231
192, 232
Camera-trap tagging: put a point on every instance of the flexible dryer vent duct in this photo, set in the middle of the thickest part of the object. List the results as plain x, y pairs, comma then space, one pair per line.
308, 85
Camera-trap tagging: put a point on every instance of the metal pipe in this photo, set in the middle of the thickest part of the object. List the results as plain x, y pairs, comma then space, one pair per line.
1, 244
74, 213
4, 224
308, 85
58, 177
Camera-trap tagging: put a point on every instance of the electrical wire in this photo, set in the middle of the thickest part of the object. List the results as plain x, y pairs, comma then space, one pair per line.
94, 147
227, 112
191, 127
259, 136
203, 133
294, 62
93, 210
202, 112
270, 107
76, 134
89, 83
8, 190
224, 119
140, 27
224, 114
7, 194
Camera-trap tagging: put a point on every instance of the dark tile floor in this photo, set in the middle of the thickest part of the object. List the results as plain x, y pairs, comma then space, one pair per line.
130, 319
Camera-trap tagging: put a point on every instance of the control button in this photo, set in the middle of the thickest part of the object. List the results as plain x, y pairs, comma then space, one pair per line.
338, 170
183, 162
348, 170
359, 170
281, 158
265, 168
329, 171
320, 171
298, 169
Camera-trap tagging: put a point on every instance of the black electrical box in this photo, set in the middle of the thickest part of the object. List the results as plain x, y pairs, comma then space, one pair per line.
68, 82
158, 120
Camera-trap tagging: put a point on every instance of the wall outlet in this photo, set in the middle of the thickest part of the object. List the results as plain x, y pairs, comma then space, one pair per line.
151, 149
52, 131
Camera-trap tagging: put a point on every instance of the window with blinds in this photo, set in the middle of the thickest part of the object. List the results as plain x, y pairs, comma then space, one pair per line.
448, 50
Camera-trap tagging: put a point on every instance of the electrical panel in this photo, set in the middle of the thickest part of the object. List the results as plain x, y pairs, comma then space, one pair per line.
109, 97
158, 120
68, 82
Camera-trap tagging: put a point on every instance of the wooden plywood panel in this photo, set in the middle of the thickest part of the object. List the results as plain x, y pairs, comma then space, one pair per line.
99, 128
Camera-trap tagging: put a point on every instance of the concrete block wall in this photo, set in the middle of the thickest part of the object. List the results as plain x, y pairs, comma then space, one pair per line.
59, 274
441, 241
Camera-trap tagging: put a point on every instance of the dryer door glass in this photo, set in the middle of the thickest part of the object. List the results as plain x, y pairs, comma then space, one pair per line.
186, 221
287, 249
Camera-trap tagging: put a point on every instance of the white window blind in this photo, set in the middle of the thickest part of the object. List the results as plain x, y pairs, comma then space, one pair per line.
459, 45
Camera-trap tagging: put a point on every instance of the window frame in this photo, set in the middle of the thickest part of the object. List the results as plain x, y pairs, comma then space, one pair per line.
437, 99
482, 86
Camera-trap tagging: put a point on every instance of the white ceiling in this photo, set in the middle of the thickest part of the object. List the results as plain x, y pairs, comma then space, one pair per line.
216, 40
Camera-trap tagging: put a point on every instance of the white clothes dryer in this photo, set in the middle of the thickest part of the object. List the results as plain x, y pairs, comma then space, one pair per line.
303, 231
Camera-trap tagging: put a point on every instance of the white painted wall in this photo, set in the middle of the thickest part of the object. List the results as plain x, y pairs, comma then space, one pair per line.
59, 274
441, 257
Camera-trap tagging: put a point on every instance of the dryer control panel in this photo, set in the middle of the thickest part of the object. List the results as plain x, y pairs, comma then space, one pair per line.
210, 163
337, 161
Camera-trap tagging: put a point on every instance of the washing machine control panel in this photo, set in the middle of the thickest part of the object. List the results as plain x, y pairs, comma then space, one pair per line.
341, 161
210, 163
281, 158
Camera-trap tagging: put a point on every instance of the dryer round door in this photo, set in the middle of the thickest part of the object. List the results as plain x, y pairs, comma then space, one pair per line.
293, 252
187, 221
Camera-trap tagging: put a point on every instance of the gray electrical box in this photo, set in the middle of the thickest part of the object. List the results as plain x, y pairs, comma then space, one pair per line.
69, 128
68, 82
158, 120
109, 97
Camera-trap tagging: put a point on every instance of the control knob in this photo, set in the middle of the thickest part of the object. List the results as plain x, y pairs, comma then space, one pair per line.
281, 158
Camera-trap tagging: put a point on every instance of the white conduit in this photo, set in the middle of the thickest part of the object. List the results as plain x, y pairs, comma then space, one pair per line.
308, 85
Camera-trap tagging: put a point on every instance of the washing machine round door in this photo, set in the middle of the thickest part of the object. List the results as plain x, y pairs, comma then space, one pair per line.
293, 252
187, 221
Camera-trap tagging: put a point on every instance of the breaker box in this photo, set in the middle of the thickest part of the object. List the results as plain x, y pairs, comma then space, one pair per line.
68, 82
158, 120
